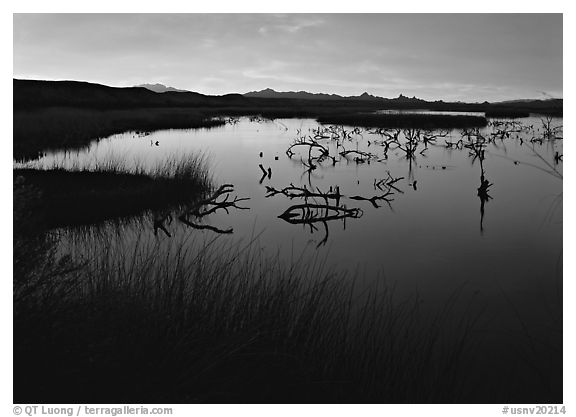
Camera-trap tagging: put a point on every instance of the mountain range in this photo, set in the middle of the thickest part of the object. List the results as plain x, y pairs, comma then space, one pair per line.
161, 88
37, 93
305, 95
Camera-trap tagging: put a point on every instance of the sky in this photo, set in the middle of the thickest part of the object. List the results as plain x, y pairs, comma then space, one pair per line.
462, 57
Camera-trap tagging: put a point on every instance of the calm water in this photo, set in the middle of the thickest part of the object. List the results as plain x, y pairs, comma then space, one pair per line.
431, 237
436, 235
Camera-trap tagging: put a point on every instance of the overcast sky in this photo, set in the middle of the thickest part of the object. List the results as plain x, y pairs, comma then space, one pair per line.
472, 57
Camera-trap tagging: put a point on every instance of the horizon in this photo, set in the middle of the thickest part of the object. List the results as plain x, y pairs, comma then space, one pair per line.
464, 57
143, 85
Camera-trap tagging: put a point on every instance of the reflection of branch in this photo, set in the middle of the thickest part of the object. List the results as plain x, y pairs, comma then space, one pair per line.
212, 201
262, 179
309, 214
553, 169
265, 173
323, 241
388, 183
204, 226
362, 156
373, 200
313, 213
224, 189
225, 204
483, 196
159, 223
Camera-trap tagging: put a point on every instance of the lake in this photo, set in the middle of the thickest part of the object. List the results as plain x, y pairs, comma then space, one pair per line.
429, 229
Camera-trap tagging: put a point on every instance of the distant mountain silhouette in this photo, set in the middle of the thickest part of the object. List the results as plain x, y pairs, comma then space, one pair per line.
269, 103
35, 93
527, 100
269, 93
161, 88
305, 95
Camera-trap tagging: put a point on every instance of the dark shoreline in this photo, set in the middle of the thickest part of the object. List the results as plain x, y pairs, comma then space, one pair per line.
67, 114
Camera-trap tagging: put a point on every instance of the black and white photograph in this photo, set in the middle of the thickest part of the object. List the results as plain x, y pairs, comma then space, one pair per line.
287, 208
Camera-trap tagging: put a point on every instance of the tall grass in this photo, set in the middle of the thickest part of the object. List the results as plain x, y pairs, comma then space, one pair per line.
74, 193
186, 166
141, 321
61, 127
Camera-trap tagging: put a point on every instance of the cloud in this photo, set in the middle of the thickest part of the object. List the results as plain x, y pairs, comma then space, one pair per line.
292, 27
465, 57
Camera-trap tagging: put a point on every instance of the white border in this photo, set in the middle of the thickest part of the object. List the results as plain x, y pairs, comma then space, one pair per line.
364, 6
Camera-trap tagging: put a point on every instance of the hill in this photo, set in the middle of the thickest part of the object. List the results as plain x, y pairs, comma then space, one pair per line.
305, 95
30, 94
34, 94
161, 88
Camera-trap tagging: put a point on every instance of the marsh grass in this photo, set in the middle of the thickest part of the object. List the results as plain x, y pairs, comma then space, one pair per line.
132, 320
416, 120
72, 194
42, 129
506, 114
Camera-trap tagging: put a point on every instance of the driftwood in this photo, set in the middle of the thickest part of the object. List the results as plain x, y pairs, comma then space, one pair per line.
549, 131
391, 134
361, 156
205, 226
265, 173
223, 189
309, 214
224, 205
311, 144
314, 213
431, 136
457, 145
409, 148
471, 133
373, 200
483, 196
504, 129
214, 205
303, 192
558, 157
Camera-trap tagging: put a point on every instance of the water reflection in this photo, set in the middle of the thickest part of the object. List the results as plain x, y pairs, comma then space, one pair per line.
406, 182
401, 205
190, 216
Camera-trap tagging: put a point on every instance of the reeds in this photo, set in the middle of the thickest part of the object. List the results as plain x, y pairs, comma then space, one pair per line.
75, 194
215, 322
72, 128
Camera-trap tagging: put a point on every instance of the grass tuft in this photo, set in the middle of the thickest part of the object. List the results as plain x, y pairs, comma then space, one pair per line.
72, 195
